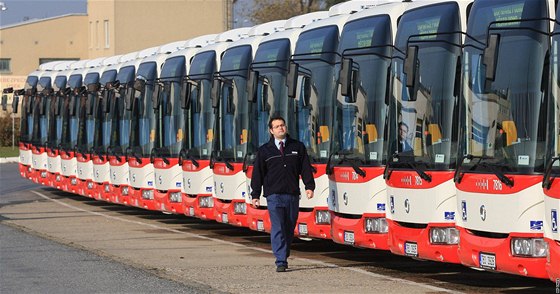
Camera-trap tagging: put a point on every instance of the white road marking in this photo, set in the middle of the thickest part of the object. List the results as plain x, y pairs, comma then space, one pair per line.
311, 261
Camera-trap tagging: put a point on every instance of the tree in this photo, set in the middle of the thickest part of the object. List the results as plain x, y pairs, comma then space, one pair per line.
269, 10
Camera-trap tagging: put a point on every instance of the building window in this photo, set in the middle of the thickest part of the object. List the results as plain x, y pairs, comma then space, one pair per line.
91, 35
45, 60
97, 34
5, 65
106, 27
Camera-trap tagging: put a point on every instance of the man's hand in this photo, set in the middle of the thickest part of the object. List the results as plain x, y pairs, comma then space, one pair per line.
256, 202
309, 194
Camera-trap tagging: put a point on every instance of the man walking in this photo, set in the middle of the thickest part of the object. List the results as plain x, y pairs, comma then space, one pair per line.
277, 168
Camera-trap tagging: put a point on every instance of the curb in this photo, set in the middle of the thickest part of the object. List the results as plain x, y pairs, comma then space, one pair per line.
9, 159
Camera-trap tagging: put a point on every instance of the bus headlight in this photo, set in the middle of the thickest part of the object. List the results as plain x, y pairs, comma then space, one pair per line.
529, 247
73, 181
240, 208
175, 197
205, 202
43, 174
322, 217
58, 178
107, 188
124, 191
376, 225
148, 194
444, 236
90, 185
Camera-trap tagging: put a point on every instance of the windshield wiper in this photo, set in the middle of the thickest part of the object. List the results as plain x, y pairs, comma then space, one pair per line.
548, 178
412, 164
421, 173
491, 166
388, 170
354, 164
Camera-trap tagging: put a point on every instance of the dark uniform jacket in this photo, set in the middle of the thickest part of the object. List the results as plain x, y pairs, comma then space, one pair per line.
279, 174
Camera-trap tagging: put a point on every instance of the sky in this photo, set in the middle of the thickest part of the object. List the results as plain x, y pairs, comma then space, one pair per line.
20, 10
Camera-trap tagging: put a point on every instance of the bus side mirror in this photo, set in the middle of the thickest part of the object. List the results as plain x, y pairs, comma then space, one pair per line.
129, 97
216, 92
89, 104
29, 104
410, 65
155, 96
42, 105
92, 88
139, 85
106, 102
15, 103
291, 81
348, 80
252, 85
186, 88
72, 105
306, 84
4, 102
490, 56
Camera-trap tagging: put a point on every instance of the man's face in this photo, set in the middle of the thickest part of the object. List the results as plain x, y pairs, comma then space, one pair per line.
403, 132
278, 129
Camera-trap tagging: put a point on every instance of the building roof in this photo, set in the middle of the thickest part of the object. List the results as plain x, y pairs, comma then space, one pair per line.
35, 20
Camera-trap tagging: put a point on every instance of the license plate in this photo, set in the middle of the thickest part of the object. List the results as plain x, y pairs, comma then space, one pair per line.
191, 211
136, 202
162, 207
224, 218
487, 261
302, 229
260, 226
349, 237
411, 249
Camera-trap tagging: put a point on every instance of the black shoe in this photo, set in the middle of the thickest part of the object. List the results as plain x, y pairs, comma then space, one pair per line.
280, 269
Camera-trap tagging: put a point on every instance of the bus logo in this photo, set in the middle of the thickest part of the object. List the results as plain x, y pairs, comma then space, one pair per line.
345, 197
554, 220
483, 212
407, 206
482, 184
464, 209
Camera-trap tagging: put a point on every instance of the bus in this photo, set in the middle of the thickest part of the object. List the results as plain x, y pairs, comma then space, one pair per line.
498, 179
425, 115
355, 167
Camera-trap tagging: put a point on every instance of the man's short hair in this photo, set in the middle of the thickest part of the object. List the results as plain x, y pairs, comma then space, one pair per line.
273, 118
403, 124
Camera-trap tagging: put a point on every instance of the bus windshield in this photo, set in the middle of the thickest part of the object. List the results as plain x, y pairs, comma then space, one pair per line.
271, 62
120, 124
87, 126
169, 115
142, 133
316, 55
26, 120
102, 136
425, 121
360, 132
232, 122
506, 108
200, 114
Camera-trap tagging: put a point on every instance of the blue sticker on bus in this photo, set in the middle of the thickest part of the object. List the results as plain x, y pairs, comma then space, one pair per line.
380, 206
449, 215
554, 220
209, 189
536, 225
150, 183
178, 184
